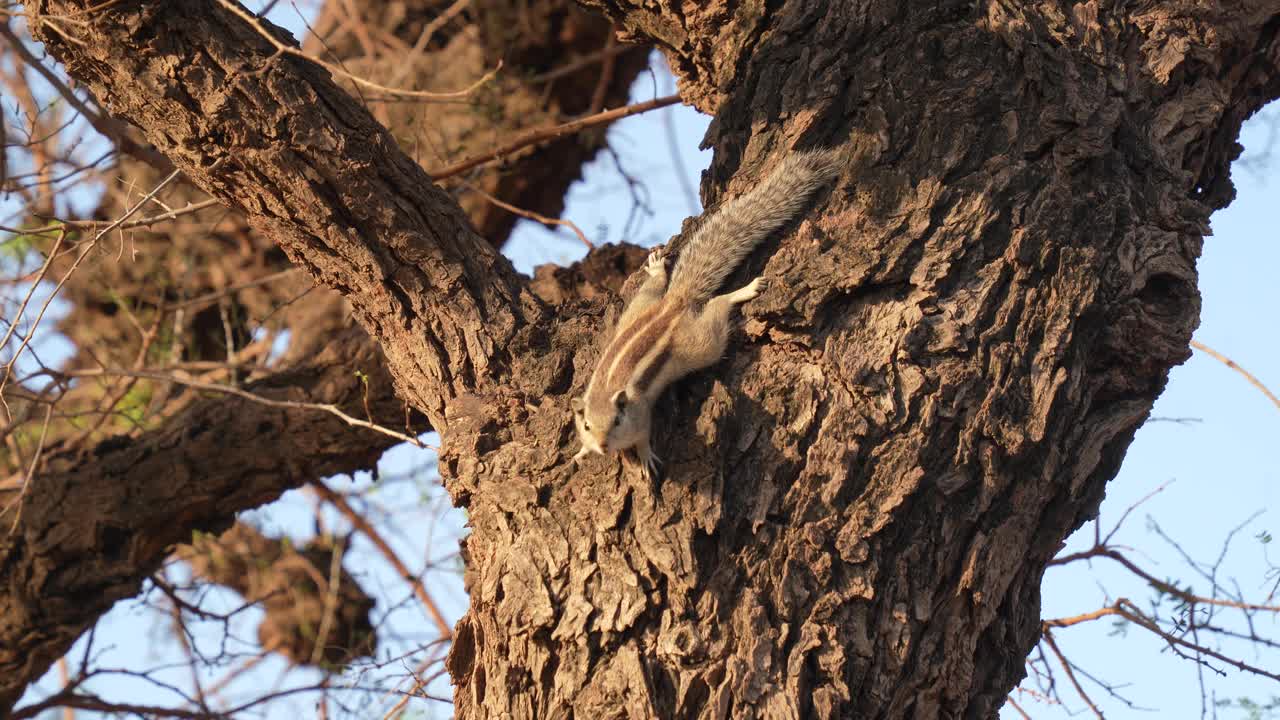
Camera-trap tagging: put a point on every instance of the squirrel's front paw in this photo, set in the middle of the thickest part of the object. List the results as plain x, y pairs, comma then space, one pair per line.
656, 263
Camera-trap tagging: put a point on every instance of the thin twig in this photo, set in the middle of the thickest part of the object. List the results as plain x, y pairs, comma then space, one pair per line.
217, 687
419, 682
1014, 704
31, 471
109, 127
533, 215
541, 135
110, 398
330, 604
180, 632
1130, 612
94, 224
228, 338
65, 677
148, 221
606, 74
1081, 618
1107, 540
1234, 366
1159, 584
22, 308
8, 370
405, 65
1048, 638
230, 290
363, 526
283, 49
575, 65
229, 390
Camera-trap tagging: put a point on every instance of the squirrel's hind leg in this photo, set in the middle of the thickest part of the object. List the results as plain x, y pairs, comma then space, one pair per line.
704, 340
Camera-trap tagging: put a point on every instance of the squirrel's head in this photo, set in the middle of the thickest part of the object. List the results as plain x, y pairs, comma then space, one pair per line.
609, 423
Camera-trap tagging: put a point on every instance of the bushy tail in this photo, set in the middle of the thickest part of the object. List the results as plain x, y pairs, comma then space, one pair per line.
740, 224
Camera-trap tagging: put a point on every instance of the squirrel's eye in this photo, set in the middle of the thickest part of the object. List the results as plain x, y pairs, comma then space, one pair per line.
617, 420
586, 425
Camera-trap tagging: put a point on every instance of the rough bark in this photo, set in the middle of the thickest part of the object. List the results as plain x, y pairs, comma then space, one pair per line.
956, 348
114, 514
952, 358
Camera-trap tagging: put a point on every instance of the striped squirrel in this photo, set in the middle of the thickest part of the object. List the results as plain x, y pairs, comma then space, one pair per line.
669, 330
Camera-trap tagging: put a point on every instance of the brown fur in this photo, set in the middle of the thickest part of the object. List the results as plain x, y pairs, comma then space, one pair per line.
666, 331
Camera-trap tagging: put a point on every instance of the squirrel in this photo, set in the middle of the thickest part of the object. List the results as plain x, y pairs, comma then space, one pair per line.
670, 329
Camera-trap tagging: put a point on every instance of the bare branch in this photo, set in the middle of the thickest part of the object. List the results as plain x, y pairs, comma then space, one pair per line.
533, 215
542, 135
155, 489
1071, 675
333, 498
1234, 366
283, 49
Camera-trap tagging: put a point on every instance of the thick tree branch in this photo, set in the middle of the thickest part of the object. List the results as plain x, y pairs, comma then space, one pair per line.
149, 492
95, 525
273, 136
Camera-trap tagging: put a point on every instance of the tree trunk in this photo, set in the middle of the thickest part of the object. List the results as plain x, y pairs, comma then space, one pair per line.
955, 350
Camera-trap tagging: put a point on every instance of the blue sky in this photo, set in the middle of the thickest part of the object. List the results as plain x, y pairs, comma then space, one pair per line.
1220, 467
1219, 462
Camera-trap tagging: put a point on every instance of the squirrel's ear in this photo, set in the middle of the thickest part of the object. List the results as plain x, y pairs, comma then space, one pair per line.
577, 404
620, 400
